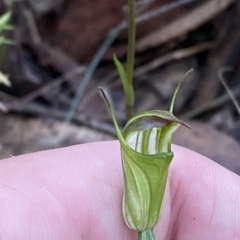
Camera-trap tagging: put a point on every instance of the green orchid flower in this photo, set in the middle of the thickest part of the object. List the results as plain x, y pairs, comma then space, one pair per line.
146, 156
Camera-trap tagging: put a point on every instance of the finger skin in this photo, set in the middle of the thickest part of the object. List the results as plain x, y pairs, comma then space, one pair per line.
76, 193
204, 198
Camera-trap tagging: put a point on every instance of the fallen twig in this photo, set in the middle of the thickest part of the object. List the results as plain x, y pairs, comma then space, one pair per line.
184, 24
178, 54
34, 108
46, 88
32, 27
211, 104
232, 96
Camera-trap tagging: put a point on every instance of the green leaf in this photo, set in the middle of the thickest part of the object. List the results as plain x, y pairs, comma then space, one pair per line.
6, 41
4, 20
4, 79
7, 27
127, 87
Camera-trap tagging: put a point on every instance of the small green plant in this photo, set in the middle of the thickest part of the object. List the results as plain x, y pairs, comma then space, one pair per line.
145, 149
5, 26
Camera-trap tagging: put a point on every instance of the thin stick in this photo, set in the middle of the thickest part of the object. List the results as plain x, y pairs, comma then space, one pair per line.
210, 105
34, 108
162, 10
224, 83
47, 87
32, 27
174, 55
180, 26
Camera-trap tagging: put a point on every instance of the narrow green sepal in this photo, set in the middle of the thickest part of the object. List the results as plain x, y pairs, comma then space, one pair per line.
177, 89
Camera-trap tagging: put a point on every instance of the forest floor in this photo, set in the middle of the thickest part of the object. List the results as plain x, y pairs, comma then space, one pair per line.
54, 102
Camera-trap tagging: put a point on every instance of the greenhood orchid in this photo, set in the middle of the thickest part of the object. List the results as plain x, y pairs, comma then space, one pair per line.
146, 155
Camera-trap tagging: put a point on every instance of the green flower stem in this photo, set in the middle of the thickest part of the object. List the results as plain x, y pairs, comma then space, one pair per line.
128, 110
130, 51
146, 235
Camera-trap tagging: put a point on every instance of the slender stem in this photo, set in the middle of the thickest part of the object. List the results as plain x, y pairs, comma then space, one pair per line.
146, 235
130, 50
128, 110
131, 39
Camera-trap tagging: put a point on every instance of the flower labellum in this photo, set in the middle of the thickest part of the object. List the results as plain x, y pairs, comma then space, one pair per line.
146, 155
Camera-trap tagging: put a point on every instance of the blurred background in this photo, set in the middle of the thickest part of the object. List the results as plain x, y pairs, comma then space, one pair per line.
55, 53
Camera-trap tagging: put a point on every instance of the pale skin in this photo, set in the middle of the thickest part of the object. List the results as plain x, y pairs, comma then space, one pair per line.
76, 192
